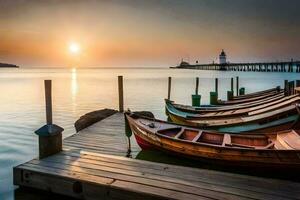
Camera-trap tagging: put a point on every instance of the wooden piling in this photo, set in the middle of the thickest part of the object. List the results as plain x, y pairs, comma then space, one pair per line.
216, 85
50, 135
292, 87
197, 85
48, 101
121, 95
169, 87
237, 86
286, 86
232, 85
297, 89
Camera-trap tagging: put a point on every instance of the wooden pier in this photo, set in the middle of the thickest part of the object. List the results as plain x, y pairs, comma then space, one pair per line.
82, 171
292, 66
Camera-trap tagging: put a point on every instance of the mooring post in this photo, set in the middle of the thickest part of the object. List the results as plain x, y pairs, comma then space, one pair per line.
48, 101
216, 85
50, 135
197, 85
286, 87
230, 92
169, 87
237, 86
297, 85
196, 98
121, 95
292, 87
232, 85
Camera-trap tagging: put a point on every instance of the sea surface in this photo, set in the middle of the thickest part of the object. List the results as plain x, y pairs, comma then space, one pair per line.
78, 91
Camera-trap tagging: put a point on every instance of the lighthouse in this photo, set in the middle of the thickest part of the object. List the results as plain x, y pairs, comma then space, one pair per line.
222, 58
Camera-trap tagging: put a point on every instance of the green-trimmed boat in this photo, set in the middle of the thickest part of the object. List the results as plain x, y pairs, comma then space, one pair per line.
265, 120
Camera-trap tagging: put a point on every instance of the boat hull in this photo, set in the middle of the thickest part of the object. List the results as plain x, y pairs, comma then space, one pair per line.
221, 156
277, 125
280, 119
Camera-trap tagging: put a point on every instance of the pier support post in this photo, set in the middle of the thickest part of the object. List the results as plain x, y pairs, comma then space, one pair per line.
237, 86
121, 94
50, 135
169, 87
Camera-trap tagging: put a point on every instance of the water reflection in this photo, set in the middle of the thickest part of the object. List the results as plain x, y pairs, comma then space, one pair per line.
78, 91
74, 84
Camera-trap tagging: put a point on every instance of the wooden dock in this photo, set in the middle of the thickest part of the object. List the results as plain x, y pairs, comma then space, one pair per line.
82, 171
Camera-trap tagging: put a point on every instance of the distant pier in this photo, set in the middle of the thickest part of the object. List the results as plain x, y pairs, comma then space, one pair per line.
292, 66
224, 65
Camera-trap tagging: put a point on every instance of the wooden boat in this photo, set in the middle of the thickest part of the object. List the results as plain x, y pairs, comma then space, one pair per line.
256, 94
244, 109
249, 99
213, 108
276, 149
262, 120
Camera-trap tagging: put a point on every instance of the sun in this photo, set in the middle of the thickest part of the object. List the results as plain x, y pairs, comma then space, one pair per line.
74, 48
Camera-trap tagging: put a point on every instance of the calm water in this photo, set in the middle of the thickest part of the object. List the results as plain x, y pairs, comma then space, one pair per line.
78, 91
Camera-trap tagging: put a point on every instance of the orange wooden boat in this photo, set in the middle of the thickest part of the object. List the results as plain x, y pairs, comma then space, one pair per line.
275, 150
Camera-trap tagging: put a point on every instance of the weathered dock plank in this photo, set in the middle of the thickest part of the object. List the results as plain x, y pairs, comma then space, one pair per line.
82, 171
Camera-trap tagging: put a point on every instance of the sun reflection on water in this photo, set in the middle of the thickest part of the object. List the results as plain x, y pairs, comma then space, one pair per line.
74, 86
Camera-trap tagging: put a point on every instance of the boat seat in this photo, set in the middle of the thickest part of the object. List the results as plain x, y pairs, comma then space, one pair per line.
267, 146
289, 140
197, 136
226, 140
179, 133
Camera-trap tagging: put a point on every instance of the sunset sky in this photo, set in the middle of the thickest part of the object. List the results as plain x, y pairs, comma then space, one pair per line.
150, 33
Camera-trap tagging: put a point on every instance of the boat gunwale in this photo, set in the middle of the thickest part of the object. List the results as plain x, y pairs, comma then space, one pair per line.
253, 94
239, 101
226, 107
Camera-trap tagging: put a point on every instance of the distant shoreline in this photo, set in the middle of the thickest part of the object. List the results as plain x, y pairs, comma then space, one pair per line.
6, 65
